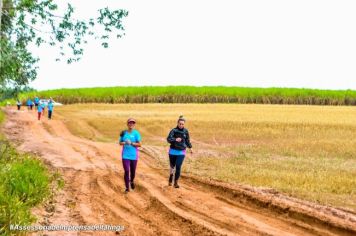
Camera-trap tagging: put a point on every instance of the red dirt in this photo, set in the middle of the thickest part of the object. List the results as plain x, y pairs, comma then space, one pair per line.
94, 193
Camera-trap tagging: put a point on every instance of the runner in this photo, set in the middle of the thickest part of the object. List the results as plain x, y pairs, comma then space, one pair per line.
29, 104
37, 101
130, 140
43, 106
18, 103
50, 109
179, 140
39, 111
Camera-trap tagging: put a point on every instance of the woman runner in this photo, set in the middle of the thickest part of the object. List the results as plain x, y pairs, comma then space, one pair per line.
18, 103
50, 109
130, 139
179, 140
37, 101
29, 104
43, 106
39, 111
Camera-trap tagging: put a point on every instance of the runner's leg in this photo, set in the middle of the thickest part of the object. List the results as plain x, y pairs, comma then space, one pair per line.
179, 163
126, 165
172, 164
133, 165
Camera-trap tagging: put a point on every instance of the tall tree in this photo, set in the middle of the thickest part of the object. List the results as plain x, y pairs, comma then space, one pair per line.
37, 21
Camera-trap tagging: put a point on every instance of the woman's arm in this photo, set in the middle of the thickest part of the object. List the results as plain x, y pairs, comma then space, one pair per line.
170, 138
121, 141
187, 141
137, 144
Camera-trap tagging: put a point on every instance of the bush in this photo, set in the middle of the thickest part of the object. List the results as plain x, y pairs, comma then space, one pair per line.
25, 182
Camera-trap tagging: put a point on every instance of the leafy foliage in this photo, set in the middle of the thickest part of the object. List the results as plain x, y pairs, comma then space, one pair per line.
12, 92
25, 183
35, 21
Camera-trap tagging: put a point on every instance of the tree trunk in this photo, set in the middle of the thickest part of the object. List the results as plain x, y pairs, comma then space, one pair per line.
0, 16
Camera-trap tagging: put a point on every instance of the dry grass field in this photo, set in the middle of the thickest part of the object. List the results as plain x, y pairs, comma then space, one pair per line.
304, 151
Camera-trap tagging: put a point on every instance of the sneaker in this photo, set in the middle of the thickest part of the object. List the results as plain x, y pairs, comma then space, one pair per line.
132, 185
170, 180
127, 190
176, 184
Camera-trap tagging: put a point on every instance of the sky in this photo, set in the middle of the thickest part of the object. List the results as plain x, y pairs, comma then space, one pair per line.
254, 43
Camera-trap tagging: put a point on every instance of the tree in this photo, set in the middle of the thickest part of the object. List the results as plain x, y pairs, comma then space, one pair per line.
36, 21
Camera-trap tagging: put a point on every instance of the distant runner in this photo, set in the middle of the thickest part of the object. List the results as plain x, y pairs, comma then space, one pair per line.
50, 109
179, 140
37, 101
130, 140
18, 103
43, 106
39, 111
29, 104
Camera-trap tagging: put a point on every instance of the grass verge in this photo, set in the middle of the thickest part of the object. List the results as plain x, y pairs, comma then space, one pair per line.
25, 183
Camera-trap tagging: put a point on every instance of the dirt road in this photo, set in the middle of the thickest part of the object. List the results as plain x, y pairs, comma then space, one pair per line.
93, 193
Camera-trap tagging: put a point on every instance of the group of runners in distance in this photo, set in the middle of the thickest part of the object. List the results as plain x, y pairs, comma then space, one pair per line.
130, 139
40, 106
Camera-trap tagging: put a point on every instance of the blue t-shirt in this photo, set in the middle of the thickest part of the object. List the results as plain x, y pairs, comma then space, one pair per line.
39, 109
50, 106
128, 151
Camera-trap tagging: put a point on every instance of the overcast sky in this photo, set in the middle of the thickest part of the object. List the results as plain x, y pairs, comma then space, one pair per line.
251, 43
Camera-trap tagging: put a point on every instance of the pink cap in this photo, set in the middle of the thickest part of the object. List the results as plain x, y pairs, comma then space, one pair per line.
131, 120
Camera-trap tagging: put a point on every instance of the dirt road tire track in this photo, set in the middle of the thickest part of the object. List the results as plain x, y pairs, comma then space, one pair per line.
93, 175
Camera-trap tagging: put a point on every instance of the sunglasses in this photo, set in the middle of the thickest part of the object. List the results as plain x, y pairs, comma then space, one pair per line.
131, 122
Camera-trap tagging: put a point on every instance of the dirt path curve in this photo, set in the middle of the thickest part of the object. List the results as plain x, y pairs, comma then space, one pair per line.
93, 193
